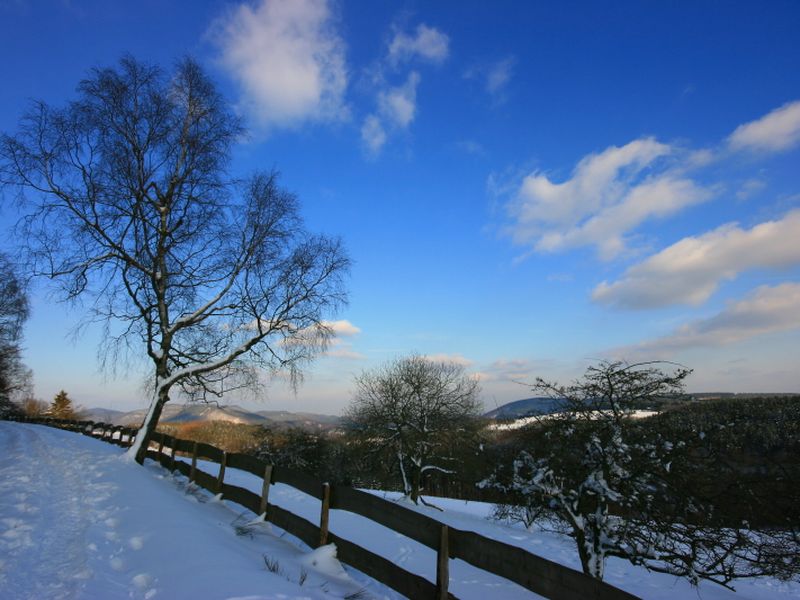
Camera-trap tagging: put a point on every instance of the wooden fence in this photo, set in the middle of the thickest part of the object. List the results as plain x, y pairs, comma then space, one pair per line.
542, 576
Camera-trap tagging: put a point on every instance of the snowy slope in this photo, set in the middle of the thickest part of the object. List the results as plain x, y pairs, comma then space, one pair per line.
470, 583
76, 521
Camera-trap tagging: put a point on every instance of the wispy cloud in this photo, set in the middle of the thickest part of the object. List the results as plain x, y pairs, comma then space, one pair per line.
396, 104
288, 59
397, 107
608, 195
373, 135
426, 43
470, 147
456, 359
344, 351
749, 188
515, 370
493, 76
765, 310
689, 271
777, 131
339, 346
342, 328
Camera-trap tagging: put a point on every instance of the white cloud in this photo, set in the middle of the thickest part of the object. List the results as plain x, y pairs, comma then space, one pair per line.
397, 107
288, 59
765, 310
373, 135
779, 130
493, 76
456, 359
342, 328
339, 348
399, 104
498, 75
749, 188
330, 331
690, 270
516, 370
344, 352
427, 43
608, 195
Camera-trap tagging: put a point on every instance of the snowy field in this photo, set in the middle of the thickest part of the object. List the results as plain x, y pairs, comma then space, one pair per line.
77, 521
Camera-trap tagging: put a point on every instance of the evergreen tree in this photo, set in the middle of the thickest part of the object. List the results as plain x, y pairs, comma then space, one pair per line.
62, 408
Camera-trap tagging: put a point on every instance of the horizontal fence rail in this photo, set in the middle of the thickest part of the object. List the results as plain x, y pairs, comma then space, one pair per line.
537, 574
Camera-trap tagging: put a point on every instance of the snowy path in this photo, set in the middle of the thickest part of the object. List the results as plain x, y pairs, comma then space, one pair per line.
29, 497
77, 521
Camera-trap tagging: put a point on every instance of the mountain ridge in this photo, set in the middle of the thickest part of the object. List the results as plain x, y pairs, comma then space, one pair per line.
201, 412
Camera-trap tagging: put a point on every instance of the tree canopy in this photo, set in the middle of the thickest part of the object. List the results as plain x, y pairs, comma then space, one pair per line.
13, 313
130, 205
413, 412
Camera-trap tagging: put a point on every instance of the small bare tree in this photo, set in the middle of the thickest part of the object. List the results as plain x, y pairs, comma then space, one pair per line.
130, 204
414, 412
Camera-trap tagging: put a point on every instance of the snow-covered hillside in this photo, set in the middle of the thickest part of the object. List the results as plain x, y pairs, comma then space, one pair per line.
77, 521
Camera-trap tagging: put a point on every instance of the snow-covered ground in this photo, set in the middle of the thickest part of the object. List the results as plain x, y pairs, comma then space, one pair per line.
76, 521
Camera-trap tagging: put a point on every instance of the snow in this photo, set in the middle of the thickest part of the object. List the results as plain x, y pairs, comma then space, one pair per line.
521, 422
79, 522
76, 521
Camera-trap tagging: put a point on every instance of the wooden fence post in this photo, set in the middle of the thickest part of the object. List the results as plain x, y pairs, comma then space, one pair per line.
323, 515
221, 476
443, 566
172, 455
160, 447
194, 462
265, 490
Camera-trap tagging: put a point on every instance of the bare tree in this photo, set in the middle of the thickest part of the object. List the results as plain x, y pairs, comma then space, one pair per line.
414, 412
33, 407
14, 376
130, 204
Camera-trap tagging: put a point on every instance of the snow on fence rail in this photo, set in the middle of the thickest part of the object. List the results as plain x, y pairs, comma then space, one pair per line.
540, 575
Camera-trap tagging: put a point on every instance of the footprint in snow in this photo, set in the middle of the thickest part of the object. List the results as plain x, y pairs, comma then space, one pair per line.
144, 582
136, 542
26, 508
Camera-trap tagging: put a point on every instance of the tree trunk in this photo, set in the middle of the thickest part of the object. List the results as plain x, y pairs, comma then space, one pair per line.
149, 425
415, 482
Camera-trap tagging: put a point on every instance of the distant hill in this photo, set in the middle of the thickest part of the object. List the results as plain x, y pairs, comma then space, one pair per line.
303, 420
192, 413
530, 407
524, 408
101, 415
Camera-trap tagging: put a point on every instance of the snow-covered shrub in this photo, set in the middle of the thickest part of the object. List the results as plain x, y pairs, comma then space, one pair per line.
611, 480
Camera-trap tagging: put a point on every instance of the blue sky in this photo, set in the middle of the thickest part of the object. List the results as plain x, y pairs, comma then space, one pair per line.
525, 188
